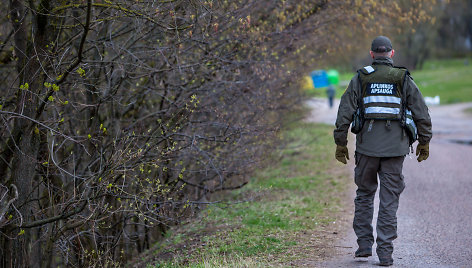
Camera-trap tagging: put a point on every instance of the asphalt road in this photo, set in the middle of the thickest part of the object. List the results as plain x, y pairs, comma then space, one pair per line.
435, 214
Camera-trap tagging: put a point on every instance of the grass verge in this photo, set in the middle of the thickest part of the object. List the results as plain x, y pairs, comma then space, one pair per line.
283, 217
448, 79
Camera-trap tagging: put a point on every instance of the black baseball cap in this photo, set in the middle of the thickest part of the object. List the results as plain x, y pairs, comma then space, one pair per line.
381, 44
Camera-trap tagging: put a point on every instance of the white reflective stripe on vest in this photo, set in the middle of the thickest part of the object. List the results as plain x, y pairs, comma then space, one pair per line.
385, 99
382, 110
408, 112
410, 121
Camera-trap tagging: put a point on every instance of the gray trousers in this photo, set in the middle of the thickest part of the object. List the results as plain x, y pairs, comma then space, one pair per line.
389, 170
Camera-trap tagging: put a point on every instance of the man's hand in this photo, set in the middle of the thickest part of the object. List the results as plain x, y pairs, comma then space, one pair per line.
423, 151
342, 153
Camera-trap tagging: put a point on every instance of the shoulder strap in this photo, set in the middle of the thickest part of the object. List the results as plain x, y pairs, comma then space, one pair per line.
403, 84
360, 105
404, 102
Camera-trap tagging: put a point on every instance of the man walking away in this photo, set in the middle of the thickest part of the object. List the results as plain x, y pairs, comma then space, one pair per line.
389, 113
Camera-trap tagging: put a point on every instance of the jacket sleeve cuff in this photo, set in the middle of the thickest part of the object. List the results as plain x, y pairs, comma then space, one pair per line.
341, 143
423, 140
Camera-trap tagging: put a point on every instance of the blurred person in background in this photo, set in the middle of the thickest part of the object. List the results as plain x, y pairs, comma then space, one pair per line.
330, 92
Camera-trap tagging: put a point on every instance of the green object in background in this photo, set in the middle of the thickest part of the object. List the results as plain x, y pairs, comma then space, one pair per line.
333, 77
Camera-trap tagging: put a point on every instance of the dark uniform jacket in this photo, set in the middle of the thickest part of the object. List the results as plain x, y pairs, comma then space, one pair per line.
384, 139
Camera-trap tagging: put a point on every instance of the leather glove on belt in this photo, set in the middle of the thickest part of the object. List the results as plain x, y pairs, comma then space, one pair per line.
341, 154
423, 151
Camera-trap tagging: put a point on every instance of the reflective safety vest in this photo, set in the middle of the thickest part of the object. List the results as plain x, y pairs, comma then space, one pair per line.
382, 87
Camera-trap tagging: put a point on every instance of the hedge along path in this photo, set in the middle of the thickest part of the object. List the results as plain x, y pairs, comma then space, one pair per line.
293, 212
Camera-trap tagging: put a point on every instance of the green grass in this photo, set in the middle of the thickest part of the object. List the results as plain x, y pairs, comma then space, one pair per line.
449, 79
298, 192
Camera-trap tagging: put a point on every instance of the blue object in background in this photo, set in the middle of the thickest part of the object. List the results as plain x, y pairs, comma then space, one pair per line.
320, 78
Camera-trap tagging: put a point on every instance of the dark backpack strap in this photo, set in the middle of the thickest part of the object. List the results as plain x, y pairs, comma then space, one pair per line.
360, 104
403, 98
404, 106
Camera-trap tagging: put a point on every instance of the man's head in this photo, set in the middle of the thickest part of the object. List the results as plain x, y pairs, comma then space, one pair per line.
381, 47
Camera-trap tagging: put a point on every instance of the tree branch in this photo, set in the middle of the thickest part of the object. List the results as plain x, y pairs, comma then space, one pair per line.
4, 209
72, 65
55, 218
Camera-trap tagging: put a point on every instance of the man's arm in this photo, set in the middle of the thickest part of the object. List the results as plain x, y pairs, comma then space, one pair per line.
346, 110
419, 110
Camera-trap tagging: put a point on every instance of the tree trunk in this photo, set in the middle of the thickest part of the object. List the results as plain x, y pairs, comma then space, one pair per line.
24, 156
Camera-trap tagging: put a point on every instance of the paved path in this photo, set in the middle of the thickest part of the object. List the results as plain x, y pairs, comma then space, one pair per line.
435, 214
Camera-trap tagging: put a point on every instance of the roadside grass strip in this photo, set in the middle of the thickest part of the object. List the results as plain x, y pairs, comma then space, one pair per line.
277, 219
449, 79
